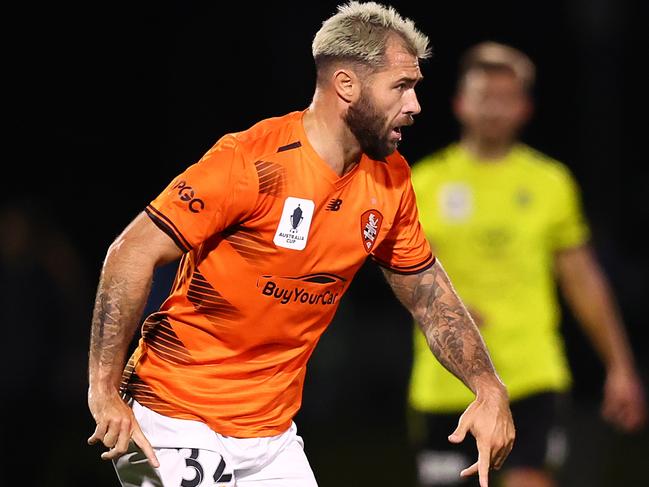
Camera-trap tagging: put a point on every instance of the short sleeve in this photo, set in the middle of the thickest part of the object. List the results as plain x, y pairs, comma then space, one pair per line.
405, 249
209, 196
569, 227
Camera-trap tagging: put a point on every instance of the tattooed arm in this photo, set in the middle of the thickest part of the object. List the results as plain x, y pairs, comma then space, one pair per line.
123, 288
456, 342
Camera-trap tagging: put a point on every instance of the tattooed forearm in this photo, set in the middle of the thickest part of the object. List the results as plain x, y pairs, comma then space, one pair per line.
122, 292
107, 333
121, 295
449, 329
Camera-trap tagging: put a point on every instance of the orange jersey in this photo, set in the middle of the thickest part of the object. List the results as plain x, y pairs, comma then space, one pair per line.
273, 238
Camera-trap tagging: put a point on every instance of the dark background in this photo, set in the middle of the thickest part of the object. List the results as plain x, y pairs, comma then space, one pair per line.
106, 102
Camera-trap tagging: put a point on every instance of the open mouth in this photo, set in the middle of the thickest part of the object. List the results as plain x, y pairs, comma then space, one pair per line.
396, 133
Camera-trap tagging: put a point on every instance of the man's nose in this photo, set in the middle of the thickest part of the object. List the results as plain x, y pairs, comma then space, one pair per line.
412, 106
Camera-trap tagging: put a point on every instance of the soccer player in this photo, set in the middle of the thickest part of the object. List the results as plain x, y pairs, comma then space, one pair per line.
270, 227
507, 223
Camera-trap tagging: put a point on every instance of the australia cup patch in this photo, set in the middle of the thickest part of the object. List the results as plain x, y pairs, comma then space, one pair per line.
370, 225
293, 228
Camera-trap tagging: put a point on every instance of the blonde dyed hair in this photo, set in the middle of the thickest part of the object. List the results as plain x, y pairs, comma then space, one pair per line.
359, 33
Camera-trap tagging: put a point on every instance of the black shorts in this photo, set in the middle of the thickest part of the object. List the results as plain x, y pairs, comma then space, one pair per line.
540, 441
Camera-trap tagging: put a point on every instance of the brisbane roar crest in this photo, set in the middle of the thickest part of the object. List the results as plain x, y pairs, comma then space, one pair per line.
370, 225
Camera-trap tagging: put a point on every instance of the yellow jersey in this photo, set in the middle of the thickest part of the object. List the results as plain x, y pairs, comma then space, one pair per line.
496, 226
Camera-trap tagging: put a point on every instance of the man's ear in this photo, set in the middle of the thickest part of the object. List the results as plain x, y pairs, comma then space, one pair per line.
347, 84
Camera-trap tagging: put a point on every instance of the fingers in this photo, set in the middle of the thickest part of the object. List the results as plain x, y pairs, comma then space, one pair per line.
124, 436
472, 470
117, 434
484, 460
460, 432
116, 439
488, 459
500, 456
494, 436
122, 443
141, 441
100, 432
481, 467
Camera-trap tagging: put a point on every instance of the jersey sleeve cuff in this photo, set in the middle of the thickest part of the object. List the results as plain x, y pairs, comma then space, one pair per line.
427, 263
167, 226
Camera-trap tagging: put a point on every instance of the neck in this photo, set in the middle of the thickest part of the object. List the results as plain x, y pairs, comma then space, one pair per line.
486, 150
329, 135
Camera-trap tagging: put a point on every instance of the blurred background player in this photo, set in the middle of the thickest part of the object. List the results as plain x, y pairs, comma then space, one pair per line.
507, 222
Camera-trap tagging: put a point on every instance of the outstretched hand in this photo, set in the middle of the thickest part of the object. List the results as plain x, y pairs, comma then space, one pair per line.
116, 427
490, 421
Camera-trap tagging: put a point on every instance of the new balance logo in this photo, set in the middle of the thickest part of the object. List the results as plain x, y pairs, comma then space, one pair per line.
334, 205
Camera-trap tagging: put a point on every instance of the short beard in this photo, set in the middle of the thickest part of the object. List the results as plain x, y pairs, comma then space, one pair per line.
368, 126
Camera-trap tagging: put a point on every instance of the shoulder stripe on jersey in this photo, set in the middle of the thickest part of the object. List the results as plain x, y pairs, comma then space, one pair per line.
427, 263
294, 145
272, 178
167, 226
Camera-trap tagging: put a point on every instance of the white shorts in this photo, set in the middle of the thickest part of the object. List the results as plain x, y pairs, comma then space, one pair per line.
192, 455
